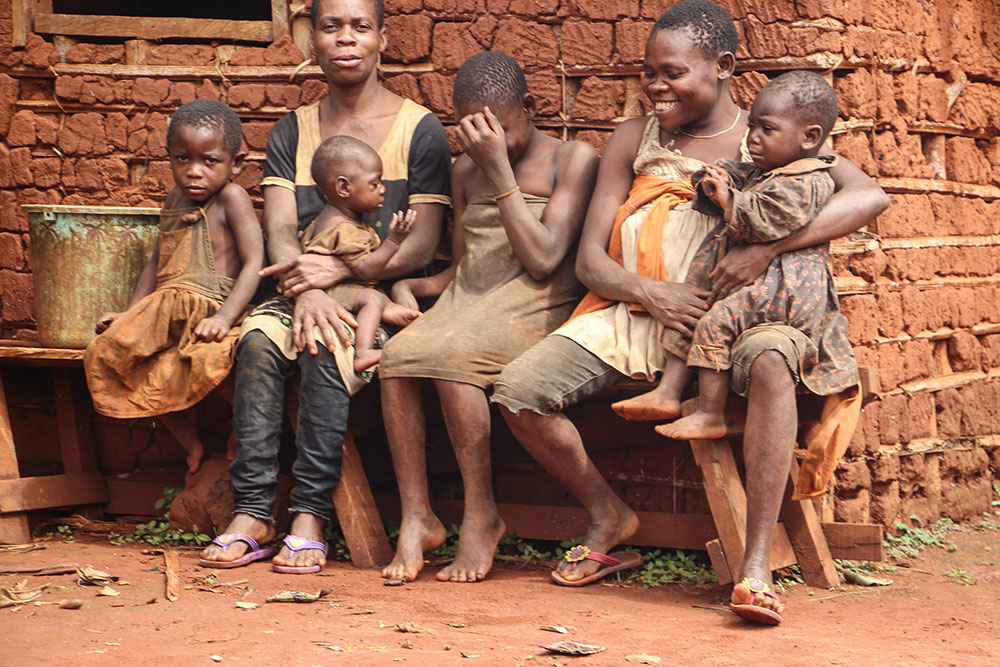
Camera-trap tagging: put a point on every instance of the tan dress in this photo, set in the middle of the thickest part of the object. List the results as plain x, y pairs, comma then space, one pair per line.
350, 241
627, 341
489, 314
148, 361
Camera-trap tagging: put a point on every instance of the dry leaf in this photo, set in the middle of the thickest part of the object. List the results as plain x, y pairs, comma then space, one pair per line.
643, 659
216, 658
468, 655
574, 648
91, 576
246, 605
108, 591
554, 628
296, 596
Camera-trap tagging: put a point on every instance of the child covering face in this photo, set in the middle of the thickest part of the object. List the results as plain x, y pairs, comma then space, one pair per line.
175, 342
779, 192
349, 173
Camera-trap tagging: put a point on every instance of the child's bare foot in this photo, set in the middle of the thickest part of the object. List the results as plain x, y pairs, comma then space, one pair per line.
697, 426
657, 405
477, 544
615, 524
365, 359
417, 534
194, 456
231, 447
244, 524
393, 313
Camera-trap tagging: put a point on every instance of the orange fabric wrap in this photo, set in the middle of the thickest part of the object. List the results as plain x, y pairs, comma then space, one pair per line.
666, 194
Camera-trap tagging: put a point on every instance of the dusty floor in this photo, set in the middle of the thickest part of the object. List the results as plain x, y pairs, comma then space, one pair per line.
924, 618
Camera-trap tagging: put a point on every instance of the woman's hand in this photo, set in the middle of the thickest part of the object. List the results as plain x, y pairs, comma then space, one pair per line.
739, 267
105, 321
483, 139
306, 272
677, 306
212, 329
315, 308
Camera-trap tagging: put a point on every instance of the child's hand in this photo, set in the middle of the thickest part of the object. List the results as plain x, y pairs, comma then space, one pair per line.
212, 329
715, 185
106, 320
401, 224
483, 139
402, 294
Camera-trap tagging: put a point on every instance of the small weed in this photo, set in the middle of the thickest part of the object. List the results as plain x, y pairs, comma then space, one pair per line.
337, 544
158, 532
788, 577
450, 546
673, 567
513, 549
996, 490
65, 531
960, 576
911, 540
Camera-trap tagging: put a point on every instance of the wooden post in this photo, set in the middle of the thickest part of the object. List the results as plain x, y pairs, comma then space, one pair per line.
807, 538
13, 526
279, 19
75, 437
726, 497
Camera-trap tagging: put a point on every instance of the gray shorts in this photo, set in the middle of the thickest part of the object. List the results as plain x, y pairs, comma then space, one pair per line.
557, 372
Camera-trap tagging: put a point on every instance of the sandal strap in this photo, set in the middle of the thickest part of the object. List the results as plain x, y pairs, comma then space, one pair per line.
225, 540
583, 552
757, 586
296, 543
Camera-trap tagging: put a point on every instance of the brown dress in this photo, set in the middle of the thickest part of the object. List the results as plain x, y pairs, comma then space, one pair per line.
148, 362
490, 313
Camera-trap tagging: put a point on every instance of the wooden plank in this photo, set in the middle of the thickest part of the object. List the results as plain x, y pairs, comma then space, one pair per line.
719, 564
237, 73
907, 185
151, 27
279, 19
806, 535
357, 512
36, 355
726, 496
13, 527
35, 493
854, 541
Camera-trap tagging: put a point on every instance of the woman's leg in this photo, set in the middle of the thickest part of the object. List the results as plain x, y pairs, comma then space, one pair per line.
768, 445
467, 416
524, 394
320, 443
420, 530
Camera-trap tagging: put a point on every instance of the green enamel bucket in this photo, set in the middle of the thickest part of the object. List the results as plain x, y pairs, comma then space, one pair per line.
85, 261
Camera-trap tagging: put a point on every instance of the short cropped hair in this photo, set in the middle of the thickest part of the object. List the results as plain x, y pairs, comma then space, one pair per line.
211, 114
341, 153
489, 77
813, 101
711, 27
379, 12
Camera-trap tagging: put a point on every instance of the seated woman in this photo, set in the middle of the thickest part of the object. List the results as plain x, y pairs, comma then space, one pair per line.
347, 38
519, 198
635, 263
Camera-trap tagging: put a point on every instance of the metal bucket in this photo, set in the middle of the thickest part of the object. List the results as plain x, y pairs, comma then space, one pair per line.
86, 261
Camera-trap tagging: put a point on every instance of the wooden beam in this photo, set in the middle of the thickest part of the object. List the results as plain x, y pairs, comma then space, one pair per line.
35, 493
13, 527
906, 185
726, 496
806, 535
854, 541
33, 355
279, 19
152, 27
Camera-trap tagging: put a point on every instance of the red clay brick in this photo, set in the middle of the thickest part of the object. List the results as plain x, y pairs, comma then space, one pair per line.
150, 92
453, 43
285, 95
283, 52
598, 99
586, 43
11, 252
530, 44
408, 37
16, 293
404, 85
630, 39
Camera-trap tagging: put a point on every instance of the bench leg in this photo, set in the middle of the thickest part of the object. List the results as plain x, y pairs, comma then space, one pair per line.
806, 535
13, 525
357, 514
75, 437
726, 497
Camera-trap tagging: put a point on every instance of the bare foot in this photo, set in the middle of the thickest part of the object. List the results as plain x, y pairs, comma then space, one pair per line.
417, 534
258, 529
615, 524
231, 447
310, 527
194, 456
696, 426
393, 313
477, 544
657, 405
365, 359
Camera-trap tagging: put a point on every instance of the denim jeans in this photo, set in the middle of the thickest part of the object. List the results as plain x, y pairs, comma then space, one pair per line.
257, 415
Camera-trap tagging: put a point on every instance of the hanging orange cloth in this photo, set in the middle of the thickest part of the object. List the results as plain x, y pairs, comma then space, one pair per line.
666, 194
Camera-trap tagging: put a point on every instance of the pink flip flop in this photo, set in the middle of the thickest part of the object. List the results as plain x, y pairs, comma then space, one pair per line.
756, 613
225, 540
296, 543
614, 562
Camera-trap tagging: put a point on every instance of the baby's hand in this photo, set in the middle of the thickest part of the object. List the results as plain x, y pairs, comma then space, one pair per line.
212, 329
403, 295
401, 225
715, 185
106, 320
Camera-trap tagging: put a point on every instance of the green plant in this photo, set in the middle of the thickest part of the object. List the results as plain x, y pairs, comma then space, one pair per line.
996, 490
675, 566
450, 546
65, 531
158, 531
960, 576
911, 540
512, 548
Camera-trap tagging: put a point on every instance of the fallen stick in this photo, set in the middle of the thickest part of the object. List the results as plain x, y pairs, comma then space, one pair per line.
37, 569
173, 581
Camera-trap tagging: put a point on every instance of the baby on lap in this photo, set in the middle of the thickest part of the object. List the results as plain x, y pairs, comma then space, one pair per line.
780, 192
349, 172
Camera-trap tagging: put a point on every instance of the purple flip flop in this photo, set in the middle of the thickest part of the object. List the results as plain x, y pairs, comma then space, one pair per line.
255, 553
296, 543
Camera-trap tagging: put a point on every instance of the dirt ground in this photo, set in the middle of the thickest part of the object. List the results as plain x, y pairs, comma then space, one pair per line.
924, 618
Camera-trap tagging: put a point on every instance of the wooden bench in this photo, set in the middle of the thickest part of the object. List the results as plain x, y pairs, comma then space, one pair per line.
80, 483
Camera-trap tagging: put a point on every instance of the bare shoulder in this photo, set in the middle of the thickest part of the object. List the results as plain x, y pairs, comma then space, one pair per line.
628, 135
236, 205
233, 195
570, 151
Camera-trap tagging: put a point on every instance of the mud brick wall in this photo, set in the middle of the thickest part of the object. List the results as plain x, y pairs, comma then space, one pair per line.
84, 121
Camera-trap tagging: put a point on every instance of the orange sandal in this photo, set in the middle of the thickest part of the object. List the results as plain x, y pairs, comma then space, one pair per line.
755, 613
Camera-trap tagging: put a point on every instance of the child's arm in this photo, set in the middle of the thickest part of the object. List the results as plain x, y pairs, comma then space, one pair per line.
370, 268
245, 233
540, 245
778, 207
143, 288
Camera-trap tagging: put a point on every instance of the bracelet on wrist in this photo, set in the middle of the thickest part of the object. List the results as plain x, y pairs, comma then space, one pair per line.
502, 195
